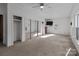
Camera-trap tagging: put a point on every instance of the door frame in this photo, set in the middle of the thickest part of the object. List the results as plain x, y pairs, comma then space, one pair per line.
15, 18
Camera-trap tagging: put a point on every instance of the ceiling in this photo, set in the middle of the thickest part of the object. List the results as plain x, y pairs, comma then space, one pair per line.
57, 10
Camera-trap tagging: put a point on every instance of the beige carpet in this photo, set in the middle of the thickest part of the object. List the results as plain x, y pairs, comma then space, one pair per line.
51, 46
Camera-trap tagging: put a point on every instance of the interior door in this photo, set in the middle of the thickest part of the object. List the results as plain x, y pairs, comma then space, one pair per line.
17, 30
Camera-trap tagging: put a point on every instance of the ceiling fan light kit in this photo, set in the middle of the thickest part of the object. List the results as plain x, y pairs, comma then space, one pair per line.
41, 6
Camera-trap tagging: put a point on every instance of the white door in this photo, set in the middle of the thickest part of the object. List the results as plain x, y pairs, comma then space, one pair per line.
17, 30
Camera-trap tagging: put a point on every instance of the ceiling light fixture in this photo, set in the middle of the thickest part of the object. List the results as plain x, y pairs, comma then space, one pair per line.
42, 7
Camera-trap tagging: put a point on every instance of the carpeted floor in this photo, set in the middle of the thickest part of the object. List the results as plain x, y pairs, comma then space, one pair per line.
56, 45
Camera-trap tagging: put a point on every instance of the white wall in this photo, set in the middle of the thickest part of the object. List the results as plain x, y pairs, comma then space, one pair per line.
60, 14
62, 26
3, 11
14, 9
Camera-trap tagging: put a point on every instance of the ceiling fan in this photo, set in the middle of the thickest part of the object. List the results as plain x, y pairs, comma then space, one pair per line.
41, 6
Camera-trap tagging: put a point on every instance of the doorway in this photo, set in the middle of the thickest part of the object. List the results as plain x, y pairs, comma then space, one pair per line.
17, 29
1, 29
